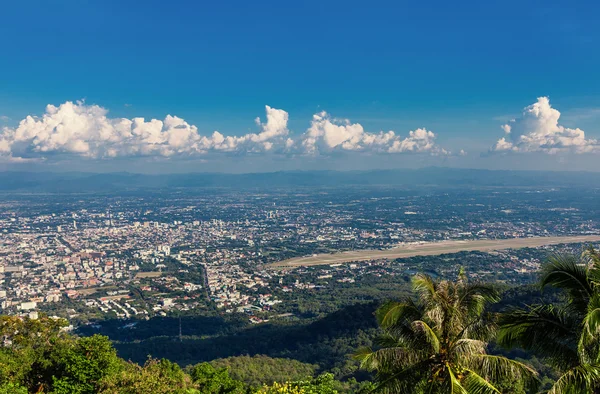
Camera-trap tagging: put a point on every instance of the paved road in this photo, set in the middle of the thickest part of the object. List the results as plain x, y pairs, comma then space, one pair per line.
430, 249
68, 245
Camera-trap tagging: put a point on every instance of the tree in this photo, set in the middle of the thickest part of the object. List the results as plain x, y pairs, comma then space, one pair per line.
566, 335
12, 388
156, 376
211, 380
322, 384
437, 343
83, 366
260, 369
39, 356
30, 351
280, 388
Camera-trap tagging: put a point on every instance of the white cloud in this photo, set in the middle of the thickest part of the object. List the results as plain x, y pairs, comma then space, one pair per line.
76, 128
537, 130
85, 130
327, 134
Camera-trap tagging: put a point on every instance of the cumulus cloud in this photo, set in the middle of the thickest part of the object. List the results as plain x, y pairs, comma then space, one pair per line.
327, 134
76, 128
537, 130
86, 130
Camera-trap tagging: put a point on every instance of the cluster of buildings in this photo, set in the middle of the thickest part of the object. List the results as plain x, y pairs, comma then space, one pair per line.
140, 256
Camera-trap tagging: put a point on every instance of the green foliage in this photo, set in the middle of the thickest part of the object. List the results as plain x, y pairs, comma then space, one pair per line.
39, 357
211, 380
260, 369
156, 376
83, 366
32, 348
327, 341
567, 335
322, 384
279, 388
12, 388
438, 343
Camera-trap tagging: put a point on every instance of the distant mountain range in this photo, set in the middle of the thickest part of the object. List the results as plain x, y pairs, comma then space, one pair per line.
56, 182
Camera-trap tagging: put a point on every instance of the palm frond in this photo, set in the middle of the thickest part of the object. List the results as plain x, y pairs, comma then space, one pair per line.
589, 341
475, 384
592, 253
466, 347
388, 359
425, 287
455, 386
568, 272
393, 312
365, 356
592, 257
475, 296
497, 369
404, 380
430, 335
547, 330
580, 379
591, 321
387, 340
483, 327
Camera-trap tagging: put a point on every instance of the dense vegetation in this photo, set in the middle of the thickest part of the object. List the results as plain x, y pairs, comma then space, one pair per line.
567, 334
260, 369
39, 356
438, 343
448, 337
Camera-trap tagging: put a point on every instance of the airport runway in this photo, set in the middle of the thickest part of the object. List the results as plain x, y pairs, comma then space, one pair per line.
430, 249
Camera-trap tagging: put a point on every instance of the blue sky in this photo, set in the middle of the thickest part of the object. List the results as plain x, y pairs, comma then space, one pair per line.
457, 69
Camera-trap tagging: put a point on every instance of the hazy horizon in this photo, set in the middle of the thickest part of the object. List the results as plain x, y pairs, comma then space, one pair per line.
292, 171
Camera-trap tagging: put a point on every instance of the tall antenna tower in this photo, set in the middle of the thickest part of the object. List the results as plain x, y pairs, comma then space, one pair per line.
180, 336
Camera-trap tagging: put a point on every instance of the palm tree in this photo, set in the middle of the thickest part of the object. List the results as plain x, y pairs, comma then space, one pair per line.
567, 335
437, 343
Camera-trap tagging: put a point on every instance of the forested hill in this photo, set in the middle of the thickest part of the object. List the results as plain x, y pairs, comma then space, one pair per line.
327, 342
39, 356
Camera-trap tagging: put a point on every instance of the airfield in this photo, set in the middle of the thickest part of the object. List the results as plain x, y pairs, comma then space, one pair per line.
430, 249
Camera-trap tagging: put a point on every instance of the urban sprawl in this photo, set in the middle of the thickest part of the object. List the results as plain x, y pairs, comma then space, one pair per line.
141, 255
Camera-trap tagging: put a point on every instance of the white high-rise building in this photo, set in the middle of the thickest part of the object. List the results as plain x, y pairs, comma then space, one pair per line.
166, 249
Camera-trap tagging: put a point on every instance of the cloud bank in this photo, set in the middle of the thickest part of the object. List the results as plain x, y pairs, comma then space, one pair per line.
79, 129
326, 135
537, 130
87, 131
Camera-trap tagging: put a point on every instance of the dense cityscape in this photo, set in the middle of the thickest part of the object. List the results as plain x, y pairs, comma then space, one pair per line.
136, 256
